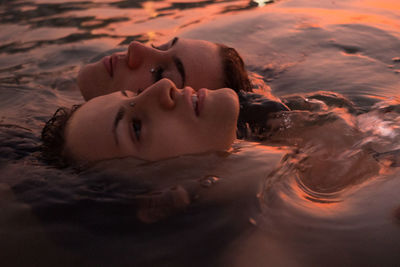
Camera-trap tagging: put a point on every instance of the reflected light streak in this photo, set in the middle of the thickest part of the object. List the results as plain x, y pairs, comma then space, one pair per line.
390, 5
150, 9
312, 204
262, 3
329, 16
151, 36
272, 149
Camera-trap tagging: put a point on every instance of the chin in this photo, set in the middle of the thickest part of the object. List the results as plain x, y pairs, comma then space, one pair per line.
91, 80
231, 103
231, 99
231, 96
228, 144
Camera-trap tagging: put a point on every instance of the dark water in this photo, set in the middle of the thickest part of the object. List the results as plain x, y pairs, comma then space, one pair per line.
319, 188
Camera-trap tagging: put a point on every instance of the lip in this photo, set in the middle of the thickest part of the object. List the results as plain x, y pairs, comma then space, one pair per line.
201, 95
108, 64
188, 92
114, 61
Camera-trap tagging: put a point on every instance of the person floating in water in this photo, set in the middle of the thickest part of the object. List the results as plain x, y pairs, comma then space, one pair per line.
121, 119
160, 122
186, 62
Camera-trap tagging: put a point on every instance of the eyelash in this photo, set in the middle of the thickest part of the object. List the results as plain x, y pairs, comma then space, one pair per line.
139, 91
158, 74
137, 127
165, 47
157, 47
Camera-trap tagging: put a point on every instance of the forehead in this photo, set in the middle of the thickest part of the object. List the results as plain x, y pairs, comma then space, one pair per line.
202, 62
79, 131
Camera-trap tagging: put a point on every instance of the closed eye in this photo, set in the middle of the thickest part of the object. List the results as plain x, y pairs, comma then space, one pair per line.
166, 46
139, 91
163, 47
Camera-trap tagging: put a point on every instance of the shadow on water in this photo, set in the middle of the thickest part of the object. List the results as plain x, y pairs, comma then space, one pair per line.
150, 214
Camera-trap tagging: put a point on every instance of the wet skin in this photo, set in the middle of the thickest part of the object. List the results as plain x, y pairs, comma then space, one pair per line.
161, 122
186, 62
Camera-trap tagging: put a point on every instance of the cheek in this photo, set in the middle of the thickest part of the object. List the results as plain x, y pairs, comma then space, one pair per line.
218, 138
197, 138
131, 80
218, 121
220, 131
224, 117
91, 143
170, 138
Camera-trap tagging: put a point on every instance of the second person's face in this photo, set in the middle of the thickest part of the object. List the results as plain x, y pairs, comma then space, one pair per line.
185, 62
161, 122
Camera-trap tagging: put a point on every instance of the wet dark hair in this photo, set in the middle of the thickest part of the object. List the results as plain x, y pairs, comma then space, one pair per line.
254, 108
235, 74
53, 137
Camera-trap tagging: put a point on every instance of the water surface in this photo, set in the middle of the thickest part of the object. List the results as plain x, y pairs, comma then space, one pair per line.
319, 189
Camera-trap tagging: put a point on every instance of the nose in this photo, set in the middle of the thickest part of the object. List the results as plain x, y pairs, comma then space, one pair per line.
167, 94
138, 53
163, 94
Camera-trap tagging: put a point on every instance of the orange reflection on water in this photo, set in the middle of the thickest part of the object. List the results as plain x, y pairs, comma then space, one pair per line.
390, 5
150, 9
272, 149
337, 16
323, 205
169, 17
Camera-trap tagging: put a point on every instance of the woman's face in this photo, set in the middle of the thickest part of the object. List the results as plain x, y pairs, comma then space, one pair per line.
159, 123
186, 62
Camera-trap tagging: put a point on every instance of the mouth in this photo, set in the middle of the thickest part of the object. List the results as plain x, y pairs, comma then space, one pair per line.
195, 103
108, 64
198, 101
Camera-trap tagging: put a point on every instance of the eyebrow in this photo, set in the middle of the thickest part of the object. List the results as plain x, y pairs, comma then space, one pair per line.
120, 114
